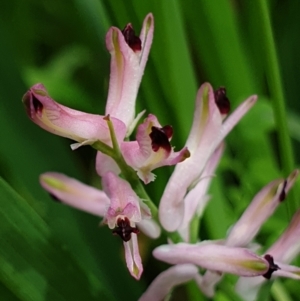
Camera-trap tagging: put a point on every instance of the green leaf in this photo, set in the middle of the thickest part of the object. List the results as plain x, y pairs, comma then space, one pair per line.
34, 264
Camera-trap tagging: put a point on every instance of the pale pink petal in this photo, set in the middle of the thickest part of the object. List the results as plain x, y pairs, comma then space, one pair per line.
149, 227
105, 163
75, 193
146, 37
231, 121
262, 206
287, 271
219, 258
132, 257
207, 282
127, 68
167, 280
123, 200
197, 198
79, 126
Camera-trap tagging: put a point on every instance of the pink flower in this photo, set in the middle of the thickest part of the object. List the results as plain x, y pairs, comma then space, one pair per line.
208, 130
118, 204
62, 121
151, 149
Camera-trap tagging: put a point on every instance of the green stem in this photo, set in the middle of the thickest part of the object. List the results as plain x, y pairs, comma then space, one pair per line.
275, 84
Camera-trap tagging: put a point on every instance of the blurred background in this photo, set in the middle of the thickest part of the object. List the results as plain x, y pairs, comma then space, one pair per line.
51, 252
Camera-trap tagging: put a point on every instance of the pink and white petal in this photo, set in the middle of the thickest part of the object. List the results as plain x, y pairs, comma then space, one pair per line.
287, 271
197, 198
132, 257
137, 152
262, 206
173, 158
167, 280
219, 258
133, 155
124, 77
206, 114
146, 37
208, 282
75, 193
105, 163
66, 122
231, 121
123, 199
287, 247
248, 288
150, 228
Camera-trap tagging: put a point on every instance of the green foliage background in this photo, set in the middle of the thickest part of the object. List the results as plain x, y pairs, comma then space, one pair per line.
51, 252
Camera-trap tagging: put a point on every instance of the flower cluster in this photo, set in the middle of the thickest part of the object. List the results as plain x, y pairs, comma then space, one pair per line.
122, 164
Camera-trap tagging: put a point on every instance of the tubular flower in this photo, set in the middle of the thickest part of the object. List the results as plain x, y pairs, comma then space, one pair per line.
151, 149
207, 132
238, 261
62, 121
129, 54
118, 204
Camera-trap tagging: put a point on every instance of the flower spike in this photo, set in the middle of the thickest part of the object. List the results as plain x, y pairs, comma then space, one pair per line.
62, 121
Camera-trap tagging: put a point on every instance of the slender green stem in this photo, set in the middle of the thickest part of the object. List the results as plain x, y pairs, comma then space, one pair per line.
275, 84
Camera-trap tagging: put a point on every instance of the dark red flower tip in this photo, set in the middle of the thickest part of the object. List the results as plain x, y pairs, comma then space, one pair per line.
38, 106
133, 41
282, 195
32, 104
124, 229
222, 101
160, 138
272, 266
